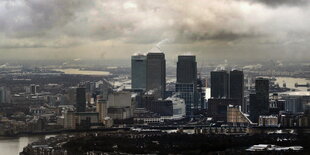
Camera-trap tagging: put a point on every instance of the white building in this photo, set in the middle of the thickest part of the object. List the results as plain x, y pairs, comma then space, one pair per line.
179, 110
268, 121
120, 105
119, 99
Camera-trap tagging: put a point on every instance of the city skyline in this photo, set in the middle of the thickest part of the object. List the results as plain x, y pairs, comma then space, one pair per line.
154, 77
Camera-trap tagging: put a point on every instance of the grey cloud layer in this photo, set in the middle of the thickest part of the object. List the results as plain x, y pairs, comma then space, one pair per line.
70, 23
275, 3
135, 21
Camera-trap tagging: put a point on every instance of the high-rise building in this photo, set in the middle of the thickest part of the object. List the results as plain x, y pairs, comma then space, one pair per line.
156, 74
188, 92
80, 100
262, 92
254, 113
2, 95
5, 95
105, 89
219, 84
90, 87
201, 89
101, 108
186, 69
138, 71
259, 102
33, 88
236, 85
69, 120
186, 86
71, 96
296, 103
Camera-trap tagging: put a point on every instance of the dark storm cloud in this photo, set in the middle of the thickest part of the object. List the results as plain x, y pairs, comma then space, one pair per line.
275, 3
140, 22
117, 25
34, 18
219, 36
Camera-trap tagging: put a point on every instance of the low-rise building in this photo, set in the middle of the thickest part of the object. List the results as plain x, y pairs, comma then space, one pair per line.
69, 120
236, 117
268, 121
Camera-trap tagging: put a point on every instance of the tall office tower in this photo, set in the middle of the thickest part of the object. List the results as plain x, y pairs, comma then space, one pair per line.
80, 100
156, 74
259, 103
90, 87
101, 108
138, 71
71, 96
2, 95
262, 93
219, 84
69, 120
201, 89
236, 81
186, 86
33, 88
186, 69
105, 88
254, 112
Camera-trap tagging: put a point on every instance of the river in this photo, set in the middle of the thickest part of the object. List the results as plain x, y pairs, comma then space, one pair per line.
290, 82
82, 72
12, 146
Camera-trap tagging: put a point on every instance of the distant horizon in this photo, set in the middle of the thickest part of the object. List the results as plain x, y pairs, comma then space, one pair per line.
126, 62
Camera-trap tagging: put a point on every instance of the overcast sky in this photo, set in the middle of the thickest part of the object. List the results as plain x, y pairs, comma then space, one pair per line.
115, 29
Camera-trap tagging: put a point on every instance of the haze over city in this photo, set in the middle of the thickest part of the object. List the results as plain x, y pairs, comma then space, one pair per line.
115, 29
92, 77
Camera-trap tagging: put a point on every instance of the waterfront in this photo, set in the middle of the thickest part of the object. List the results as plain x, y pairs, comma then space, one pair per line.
82, 72
12, 146
290, 82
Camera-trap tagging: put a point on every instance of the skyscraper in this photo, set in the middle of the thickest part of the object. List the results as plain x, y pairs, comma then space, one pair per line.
80, 100
236, 82
33, 88
219, 84
101, 108
138, 71
156, 73
262, 93
186, 69
201, 89
186, 86
259, 102
2, 95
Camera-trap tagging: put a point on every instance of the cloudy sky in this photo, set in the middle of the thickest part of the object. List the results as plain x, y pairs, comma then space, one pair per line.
115, 29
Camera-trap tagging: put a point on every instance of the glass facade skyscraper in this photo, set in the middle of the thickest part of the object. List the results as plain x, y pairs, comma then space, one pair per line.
186, 86
219, 84
80, 100
138, 71
186, 69
236, 86
156, 74
259, 102
187, 92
